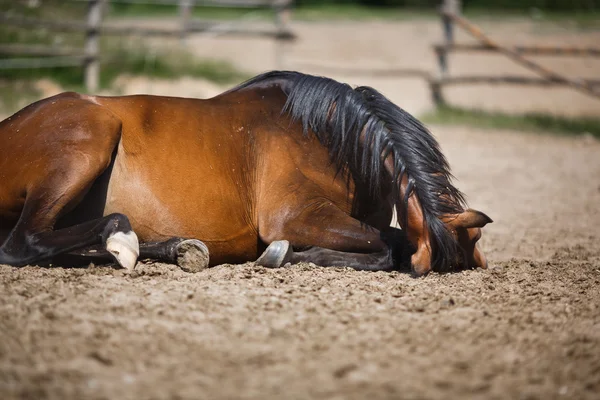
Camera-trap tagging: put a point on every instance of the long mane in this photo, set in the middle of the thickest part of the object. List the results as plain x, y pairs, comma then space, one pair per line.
342, 117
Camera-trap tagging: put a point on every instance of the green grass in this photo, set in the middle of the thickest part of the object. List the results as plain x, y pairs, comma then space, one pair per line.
162, 64
166, 64
526, 122
17, 85
578, 20
153, 10
118, 57
310, 12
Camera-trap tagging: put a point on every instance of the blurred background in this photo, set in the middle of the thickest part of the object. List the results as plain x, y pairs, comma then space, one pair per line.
536, 68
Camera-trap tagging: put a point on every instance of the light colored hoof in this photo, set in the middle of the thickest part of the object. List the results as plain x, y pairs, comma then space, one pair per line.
192, 255
125, 248
276, 255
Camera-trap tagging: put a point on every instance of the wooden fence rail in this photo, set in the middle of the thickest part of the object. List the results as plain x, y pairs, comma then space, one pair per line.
450, 14
112, 30
93, 28
38, 50
514, 80
532, 50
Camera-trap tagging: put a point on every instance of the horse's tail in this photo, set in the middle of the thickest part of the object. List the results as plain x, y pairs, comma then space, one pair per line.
361, 128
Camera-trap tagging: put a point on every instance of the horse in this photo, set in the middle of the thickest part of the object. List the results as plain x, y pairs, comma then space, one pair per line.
283, 168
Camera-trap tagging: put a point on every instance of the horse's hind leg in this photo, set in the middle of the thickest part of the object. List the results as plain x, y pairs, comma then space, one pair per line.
33, 240
67, 162
24, 246
190, 254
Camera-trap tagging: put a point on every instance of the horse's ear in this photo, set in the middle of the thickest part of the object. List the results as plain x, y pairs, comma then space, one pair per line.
471, 219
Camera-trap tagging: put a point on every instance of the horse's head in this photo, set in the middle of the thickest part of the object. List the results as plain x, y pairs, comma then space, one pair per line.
466, 231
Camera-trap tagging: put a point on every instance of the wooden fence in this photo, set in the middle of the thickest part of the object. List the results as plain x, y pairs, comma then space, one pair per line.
451, 17
93, 28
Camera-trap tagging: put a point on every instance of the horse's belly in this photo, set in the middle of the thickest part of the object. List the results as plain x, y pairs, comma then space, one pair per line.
174, 202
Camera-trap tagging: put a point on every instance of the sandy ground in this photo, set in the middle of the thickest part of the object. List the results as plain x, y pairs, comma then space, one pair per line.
527, 328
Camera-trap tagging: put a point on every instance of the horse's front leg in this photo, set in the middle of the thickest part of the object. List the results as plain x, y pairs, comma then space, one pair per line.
280, 253
324, 235
64, 157
191, 255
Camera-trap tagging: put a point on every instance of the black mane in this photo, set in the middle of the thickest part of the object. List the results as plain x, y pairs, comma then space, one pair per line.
339, 115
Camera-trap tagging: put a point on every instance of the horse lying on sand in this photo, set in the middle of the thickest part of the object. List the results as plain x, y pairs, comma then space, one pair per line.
293, 166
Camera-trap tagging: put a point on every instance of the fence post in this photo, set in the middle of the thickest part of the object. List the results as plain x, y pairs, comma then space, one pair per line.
454, 7
185, 15
92, 62
283, 9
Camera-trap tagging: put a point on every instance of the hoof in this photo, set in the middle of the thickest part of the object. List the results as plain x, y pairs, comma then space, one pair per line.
125, 248
276, 255
192, 255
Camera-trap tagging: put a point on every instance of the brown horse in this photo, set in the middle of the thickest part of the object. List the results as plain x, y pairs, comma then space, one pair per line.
296, 167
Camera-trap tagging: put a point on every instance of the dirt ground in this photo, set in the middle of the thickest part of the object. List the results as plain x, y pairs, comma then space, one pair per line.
526, 328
